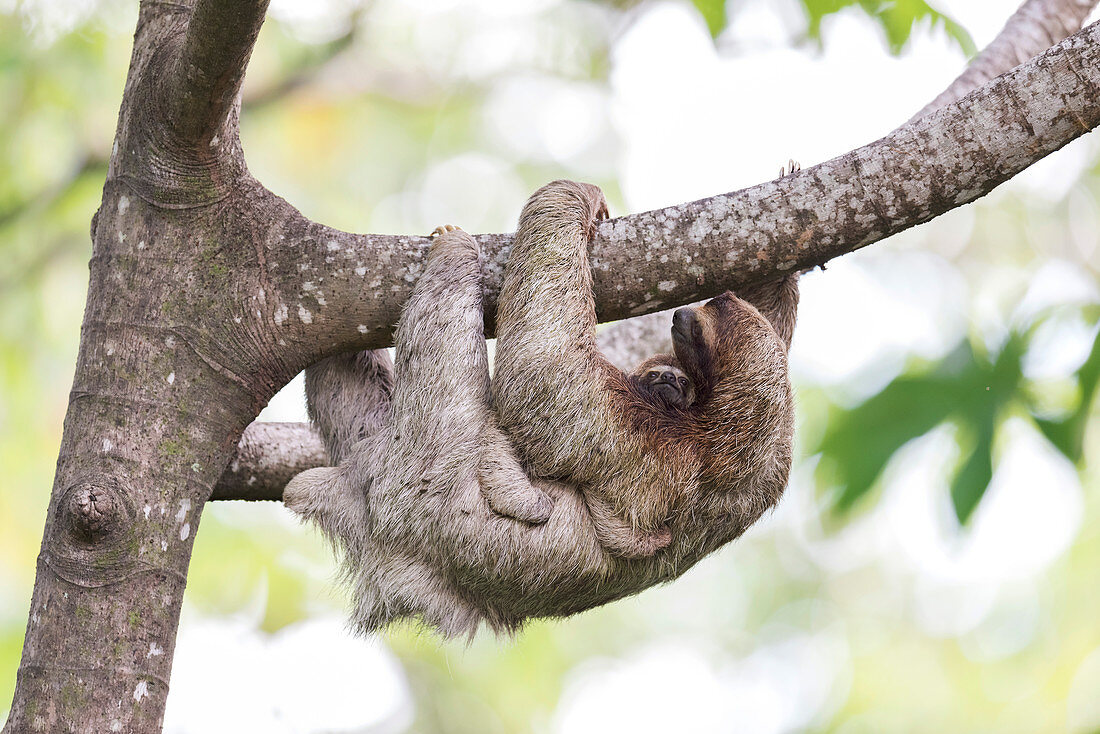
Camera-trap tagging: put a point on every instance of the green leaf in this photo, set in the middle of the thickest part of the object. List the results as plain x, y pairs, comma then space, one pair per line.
896, 18
1068, 434
860, 441
970, 482
965, 388
714, 13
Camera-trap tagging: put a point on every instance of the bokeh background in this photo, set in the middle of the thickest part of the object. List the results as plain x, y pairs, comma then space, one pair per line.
935, 563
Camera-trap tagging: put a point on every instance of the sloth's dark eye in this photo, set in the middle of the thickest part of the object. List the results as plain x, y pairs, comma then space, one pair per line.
653, 375
683, 382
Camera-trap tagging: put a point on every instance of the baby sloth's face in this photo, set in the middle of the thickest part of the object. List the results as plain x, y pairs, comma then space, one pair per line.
669, 383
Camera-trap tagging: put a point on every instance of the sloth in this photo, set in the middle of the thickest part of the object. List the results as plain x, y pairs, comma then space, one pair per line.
563, 483
637, 463
662, 377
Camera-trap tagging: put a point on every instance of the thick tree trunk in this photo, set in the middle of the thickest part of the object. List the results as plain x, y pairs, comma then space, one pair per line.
173, 364
208, 293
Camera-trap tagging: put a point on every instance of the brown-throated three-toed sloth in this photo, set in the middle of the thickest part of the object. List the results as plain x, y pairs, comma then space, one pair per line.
564, 483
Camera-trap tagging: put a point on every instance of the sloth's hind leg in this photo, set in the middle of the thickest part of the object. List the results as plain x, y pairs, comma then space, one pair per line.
616, 533
506, 486
349, 398
325, 497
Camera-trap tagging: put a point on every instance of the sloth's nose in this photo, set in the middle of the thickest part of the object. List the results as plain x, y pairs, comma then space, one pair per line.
669, 377
681, 320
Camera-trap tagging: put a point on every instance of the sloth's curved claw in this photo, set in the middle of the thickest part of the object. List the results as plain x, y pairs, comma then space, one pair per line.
444, 229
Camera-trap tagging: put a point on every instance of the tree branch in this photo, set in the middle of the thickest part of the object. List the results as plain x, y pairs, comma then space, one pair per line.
649, 261
652, 260
628, 342
1034, 27
268, 456
209, 71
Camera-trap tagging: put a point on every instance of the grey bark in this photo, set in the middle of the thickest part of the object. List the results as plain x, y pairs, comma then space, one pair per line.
268, 456
207, 293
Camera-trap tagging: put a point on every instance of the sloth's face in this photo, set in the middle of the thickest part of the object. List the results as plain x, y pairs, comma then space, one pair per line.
670, 384
725, 342
693, 340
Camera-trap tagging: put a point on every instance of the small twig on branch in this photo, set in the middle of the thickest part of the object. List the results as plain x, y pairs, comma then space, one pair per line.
208, 74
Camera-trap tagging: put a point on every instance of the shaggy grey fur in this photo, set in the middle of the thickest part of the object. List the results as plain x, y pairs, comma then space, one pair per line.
443, 516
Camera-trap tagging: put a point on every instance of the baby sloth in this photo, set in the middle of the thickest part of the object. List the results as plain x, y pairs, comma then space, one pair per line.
662, 377
563, 483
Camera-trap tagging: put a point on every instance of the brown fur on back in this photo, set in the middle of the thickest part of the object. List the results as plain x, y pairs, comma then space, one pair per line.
633, 454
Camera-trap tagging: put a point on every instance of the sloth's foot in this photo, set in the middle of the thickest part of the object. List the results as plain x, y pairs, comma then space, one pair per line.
444, 229
631, 544
449, 238
532, 506
506, 486
602, 214
791, 167
628, 543
324, 496
643, 545
619, 537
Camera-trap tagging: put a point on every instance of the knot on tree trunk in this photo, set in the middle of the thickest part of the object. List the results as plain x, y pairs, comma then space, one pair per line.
95, 511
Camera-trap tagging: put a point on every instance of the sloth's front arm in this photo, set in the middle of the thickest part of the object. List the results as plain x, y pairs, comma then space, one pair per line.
566, 409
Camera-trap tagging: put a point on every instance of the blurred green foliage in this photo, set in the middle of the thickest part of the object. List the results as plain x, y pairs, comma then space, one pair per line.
968, 388
1067, 433
896, 18
714, 13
